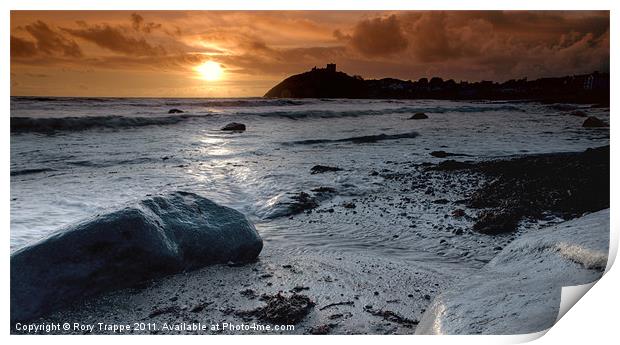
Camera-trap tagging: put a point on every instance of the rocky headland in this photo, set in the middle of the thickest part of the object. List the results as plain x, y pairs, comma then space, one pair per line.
330, 83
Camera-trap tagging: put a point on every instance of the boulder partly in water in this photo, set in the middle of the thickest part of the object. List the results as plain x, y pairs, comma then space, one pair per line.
444, 154
158, 236
234, 126
418, 116
594, 122
319, 169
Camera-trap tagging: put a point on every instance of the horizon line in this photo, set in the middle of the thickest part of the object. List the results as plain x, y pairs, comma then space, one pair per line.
319, 68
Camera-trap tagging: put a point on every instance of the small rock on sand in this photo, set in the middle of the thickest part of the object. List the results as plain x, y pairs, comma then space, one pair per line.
458, 213
303, 201
282, 310
497, 221
249, 293
349, 204
321, 329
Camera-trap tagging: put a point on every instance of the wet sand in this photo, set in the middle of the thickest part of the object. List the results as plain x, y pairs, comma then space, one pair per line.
348, 293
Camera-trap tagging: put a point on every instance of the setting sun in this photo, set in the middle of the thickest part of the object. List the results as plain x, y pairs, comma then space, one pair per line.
210, 70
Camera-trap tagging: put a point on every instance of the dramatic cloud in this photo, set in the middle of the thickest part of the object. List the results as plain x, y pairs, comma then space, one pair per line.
261, 59
161, 49
47, 42
115, 40
22, 48
138, 24
435, 37
439, 36
510, 44
377, 37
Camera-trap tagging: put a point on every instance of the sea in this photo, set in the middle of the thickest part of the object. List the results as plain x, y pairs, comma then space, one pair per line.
74, 158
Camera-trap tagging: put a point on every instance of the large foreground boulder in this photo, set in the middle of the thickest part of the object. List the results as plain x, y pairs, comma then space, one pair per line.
155, 237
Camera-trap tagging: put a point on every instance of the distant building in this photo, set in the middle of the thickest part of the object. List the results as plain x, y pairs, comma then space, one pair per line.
331, 67
588, 83
596, 81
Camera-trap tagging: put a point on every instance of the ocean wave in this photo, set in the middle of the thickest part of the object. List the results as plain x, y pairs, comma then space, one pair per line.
102, 163
147, 102
252, 103
321, 113
63, 99
228, 103
49, 125
78, 123
366, 139
30, 171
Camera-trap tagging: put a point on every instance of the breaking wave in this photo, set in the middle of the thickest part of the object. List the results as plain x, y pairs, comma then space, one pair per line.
78, 123
30, 171
47, 125
318, 113
156, 103
252, 103
366, 139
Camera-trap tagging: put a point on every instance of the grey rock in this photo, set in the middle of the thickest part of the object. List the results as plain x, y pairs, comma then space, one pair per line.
155, 237
418, 116
234, 126
594, 121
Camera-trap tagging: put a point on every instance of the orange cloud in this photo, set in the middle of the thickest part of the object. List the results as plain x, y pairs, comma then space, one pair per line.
47, 42
113, 39
138, 24
378, 36
259, 48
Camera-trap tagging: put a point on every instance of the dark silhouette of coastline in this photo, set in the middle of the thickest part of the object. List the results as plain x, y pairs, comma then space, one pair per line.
329, 83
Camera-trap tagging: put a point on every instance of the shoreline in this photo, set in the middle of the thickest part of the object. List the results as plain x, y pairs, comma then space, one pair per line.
350, 293
482, 100
528, 276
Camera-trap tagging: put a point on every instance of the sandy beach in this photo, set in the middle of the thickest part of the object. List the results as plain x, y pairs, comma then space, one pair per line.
328, 291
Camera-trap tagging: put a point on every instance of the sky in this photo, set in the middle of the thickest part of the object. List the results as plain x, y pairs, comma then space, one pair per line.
245, 53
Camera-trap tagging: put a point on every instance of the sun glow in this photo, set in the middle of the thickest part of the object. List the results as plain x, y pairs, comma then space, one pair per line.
210, 71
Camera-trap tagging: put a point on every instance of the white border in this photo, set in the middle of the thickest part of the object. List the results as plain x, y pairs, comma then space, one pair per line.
592, 319
313, 5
